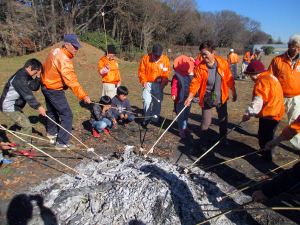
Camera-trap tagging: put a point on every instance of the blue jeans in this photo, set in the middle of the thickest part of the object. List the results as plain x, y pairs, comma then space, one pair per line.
184, 116
58, 107
154, 89
130, 118
100, 125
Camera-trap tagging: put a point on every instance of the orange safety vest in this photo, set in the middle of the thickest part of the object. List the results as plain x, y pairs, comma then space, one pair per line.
113, 76
59, 72
233, 58
289, 78
151, 71
269, 89
200, 79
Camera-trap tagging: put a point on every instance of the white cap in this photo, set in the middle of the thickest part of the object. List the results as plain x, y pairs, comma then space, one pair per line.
232, 50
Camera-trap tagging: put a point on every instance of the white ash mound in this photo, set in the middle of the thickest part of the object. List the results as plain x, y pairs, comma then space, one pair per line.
132, 190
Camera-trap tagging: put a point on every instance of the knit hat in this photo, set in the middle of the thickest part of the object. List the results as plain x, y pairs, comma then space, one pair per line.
157, 49
73, 39
254, 68
183, 65
111, 49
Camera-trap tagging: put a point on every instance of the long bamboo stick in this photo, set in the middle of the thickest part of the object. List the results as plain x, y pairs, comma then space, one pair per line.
186, 170
41, 151
88, 149
151, 149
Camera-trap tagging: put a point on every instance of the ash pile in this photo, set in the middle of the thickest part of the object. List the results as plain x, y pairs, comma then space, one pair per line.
133, 190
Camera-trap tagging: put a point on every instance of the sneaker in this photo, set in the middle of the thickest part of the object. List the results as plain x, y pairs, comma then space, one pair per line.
115, 126
105, 131
95, 133
50, 136
25, 153
57, 146
6, 161
125, 124
181, 134
188, 130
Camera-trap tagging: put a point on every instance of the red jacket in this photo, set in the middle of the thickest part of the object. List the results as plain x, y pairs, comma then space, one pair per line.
200, 79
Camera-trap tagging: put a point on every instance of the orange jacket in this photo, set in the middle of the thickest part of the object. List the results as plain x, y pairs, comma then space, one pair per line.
233, 58
269, 89
59, 73
247, 58
151, 71
288, 78
200, 58
201, 75
113, 76
290, 131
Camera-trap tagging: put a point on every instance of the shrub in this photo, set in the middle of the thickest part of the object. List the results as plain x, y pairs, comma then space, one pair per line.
268, 49
97, 40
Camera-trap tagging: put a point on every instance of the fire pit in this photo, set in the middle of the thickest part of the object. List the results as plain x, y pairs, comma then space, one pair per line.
131, 190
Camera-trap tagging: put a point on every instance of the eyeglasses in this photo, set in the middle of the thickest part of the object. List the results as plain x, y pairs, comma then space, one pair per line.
295, 48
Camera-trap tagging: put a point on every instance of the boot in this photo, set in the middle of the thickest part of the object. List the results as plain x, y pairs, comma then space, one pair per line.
95, 133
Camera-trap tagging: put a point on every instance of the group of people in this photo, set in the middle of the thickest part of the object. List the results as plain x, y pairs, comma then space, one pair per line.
209, 75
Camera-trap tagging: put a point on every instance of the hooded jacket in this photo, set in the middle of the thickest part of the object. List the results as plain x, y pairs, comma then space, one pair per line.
199, 81
59, 73
151, 71
18, 91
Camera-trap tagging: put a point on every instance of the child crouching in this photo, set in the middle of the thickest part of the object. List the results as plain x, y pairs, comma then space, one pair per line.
183, 66
102, 117
121, 106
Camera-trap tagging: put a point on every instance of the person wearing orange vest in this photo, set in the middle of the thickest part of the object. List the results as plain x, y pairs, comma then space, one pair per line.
58, 76
248, 58
109, 70
233, 60
212, 78
153, 73
267, 105
286, 68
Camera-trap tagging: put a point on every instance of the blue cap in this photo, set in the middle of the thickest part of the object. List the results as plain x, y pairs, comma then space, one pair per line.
73, 39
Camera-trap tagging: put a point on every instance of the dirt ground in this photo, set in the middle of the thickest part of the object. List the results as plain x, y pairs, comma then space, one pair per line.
25, 172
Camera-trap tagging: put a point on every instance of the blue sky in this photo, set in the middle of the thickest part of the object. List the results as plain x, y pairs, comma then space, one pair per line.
283, 17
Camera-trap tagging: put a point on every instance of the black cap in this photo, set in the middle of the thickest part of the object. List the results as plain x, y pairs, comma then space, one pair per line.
157, 49
111, 49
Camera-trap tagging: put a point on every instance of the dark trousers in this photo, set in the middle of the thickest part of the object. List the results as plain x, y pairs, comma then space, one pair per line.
58, 108
266, 133
207, 116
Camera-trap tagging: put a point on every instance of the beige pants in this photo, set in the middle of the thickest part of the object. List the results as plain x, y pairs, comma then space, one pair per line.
292, 106
109, 89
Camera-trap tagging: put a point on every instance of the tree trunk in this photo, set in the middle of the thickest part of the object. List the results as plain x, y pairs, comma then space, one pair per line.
53, 24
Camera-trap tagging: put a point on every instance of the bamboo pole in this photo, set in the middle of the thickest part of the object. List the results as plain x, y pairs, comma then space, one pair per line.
88, 149
41, 151
186, 170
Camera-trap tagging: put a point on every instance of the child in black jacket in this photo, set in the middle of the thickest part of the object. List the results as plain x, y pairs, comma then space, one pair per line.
102, 116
